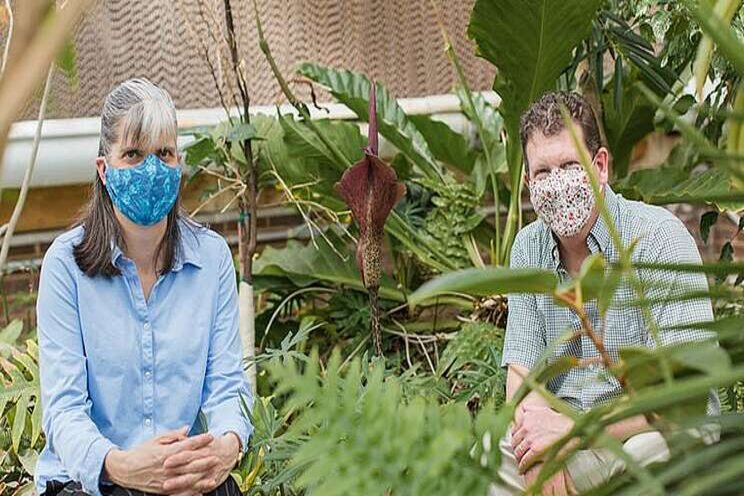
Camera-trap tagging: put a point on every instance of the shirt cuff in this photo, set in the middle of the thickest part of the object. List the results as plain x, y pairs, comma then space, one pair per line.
242, 429
94, 460
522, 357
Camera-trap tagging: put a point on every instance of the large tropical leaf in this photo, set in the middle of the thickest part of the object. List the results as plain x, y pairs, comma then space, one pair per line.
352, 89
628, 117
487, 281
303, 142
304, 265
530, 42
446, 145
9, 336
666, 185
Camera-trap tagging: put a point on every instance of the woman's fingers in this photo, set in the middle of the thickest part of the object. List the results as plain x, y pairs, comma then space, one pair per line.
185, 457
191, 443
203, 463
172, 436
195, 482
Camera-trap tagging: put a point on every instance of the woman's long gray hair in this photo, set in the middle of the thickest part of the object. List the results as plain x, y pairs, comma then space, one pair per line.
140, 113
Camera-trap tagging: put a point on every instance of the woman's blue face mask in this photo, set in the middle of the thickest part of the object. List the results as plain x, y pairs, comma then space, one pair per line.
145, 193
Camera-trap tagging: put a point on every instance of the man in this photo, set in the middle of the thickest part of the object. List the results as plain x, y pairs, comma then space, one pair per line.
570, 229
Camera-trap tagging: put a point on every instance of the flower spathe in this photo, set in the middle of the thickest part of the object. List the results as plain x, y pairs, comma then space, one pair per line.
371, 189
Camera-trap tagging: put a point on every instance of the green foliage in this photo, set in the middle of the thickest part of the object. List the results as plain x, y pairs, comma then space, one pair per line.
330, 262
453, 217
20, 408
528, 65
375, 442
352, 89
487, 281
472, 363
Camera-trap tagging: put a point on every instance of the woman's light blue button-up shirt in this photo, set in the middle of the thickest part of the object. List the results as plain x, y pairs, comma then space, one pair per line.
117, 370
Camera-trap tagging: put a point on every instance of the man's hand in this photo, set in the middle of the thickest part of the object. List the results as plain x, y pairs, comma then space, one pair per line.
204, 468
535, 429
142, 467
560, 484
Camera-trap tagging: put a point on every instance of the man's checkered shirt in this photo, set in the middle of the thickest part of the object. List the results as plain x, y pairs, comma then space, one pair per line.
535, 320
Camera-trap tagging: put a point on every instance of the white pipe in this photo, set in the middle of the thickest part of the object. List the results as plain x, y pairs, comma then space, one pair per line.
69, 146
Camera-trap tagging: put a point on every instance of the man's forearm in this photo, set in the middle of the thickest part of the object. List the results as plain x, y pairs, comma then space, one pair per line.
514, 377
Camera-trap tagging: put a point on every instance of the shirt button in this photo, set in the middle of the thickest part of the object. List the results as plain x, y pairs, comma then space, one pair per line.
147, 374
147, 326
148, 421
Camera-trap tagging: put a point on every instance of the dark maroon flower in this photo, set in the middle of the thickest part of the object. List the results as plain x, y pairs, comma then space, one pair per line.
371, 189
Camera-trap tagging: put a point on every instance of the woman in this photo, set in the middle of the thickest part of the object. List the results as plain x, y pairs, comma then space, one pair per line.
138, 326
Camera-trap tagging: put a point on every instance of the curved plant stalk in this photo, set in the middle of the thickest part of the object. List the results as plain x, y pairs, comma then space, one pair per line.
293, 100
714, 26
16, 215
725, 9
248, 205
8, 36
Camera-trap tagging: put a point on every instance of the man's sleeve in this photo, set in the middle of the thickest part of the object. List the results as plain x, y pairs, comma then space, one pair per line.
672, 243
666, 290
66, 406
225, 384
524, 342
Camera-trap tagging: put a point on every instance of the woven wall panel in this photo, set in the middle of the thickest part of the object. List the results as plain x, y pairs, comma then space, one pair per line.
397, 42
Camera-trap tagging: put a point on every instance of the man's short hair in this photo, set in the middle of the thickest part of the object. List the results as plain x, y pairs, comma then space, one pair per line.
545, 116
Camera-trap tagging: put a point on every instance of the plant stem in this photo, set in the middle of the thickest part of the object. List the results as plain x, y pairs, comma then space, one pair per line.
9, 36
297, 104
449, 50
374, 322
588, 329
514, 216
248, 205
16, 215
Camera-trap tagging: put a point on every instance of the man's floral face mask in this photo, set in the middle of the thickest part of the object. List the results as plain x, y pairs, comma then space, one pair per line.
563, 199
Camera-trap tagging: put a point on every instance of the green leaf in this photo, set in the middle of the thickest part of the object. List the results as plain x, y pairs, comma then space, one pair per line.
591, 276
641, 55
530, 42
199, 151
724, 36
18, 390
486, 281
238, 132
445, 144
626, 124
413, 240
352, 89
66, 60
673, 185
303, 143
641, 367
19, 421
707, 220
9, 336
304, 265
